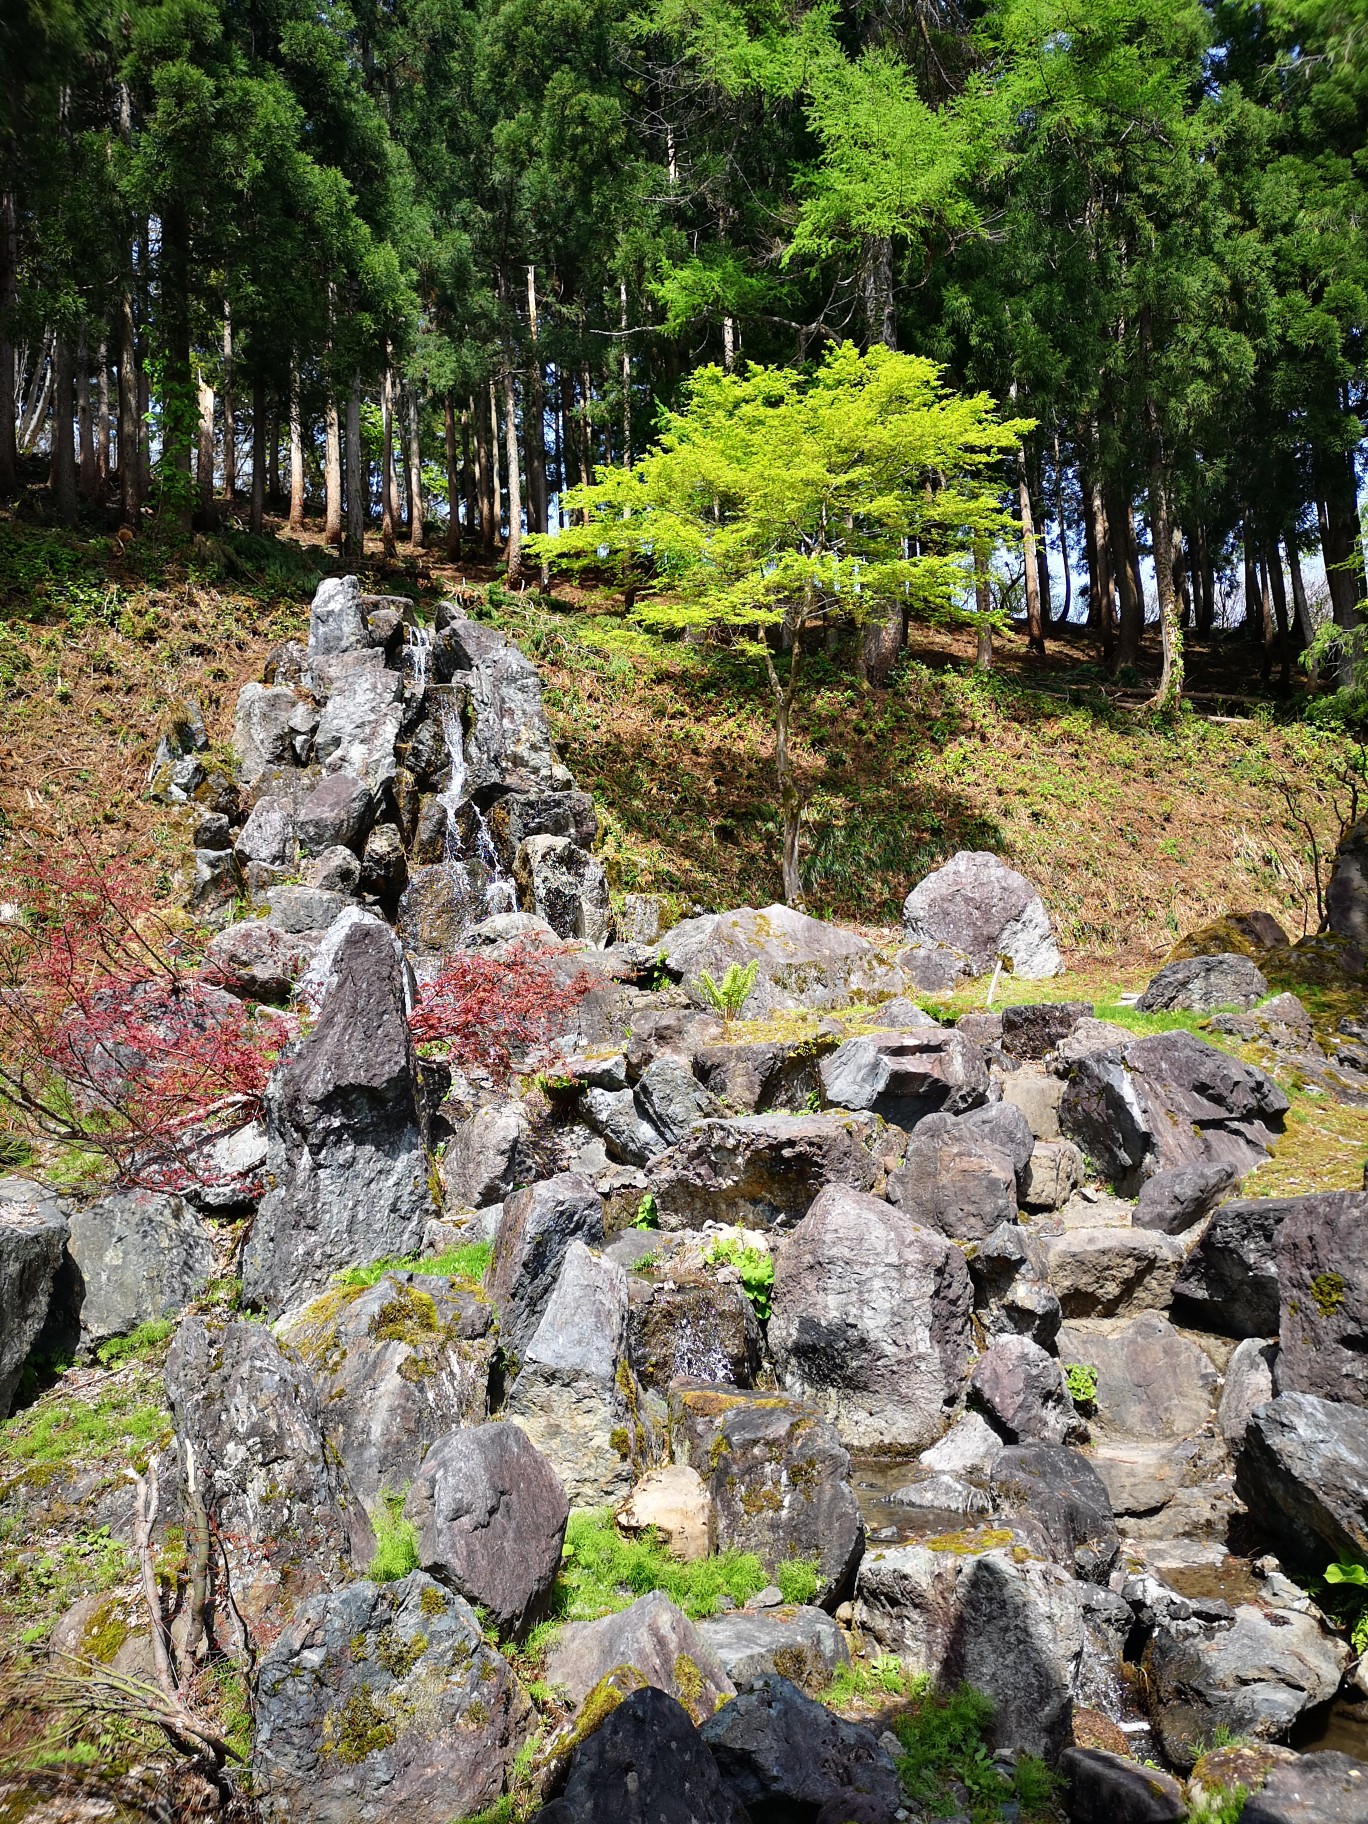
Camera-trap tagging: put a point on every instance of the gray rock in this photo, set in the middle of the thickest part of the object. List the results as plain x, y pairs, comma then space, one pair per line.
269, 1482
523, 814
335, 870
1248, 1383
978, 905
1230, 1280
561, 883
397, 1365
614, 1113
1036, 1029
360, 724
268, 836
255, 961
801, 1644
653, 1636
963, 1188
1053, 1175
537, 1228
384, 868
1346, 897
575, 1395
1012, 1296
1111, 1789
1168, 1100
337, 621
1253, 1677
215, 884
1021, 1390
490, 1515
351, 1180
337, 813
1322, 1268
904, 1076
33, 1236
700, 1331
802, 962
934, 968
1151, 1382
970, 1447
986, 1614
1303, 1473
782, 1755
488, 1156
1060, 1490
262, 736
508, 740
1090, 1037
870, 1321
778, 1475
383, 1701
138, 1255
211, 830
305, 911
1175, 1200
1204, 983
671, 1098
1108, 1272
761, 1171
1326, 1788
644, 1764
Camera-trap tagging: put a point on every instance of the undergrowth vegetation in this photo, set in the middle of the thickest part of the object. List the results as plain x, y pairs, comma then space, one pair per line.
468, 1263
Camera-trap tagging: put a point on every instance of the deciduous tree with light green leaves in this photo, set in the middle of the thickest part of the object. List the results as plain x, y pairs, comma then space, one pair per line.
777, 503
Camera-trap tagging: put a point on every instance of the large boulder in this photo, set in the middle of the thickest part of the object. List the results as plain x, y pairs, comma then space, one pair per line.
256, 961
1035, 1029
1346, 895
490, 1514
906, 1075
778, 1476
870, 1321
268, 1479
1022, 1392
346, 1151
383, 1701
537, 1227
1176, 1200
337, 619
1112, 1272
800, 1643
1324, 1788
507, 737
1322, 1268
490, 1153
655, 1638
1303, 1473
33, 1236
360, 724
138, 1255
1201, 984
1012, 1295
575, 1394
337, 813
1061, 1491
1230, 1279
761, 1171
781, 1754
978, 905
396, 1365
961, 1187
268, 836
559, 882
1106, 1788
262, 735
643, 1764
701, 1329
1168, 1100
1152, 1382
801, 961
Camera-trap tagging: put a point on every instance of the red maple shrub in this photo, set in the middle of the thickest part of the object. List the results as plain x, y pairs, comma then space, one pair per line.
497, 1014
108, 1041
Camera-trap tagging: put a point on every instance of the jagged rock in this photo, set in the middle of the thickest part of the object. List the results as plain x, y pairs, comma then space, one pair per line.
262, 736
210, 830
761, 1171
1325, 1788
384, 868
1175, 1200
347, 1156
1012, 1295
801, 1644
1060, 1490
1151, 1382
268, 836
33, 1236
1253, 1677
961, 1187
519, 815
778, 1477
490, 1515
802, 961
537, 1228
268, 1481
1168, 1100
904, 1076
781, 1754
1302, 1472
1022, 1391
763, 1075
1053, 1174
382, 1701
978, 905
870, 1321
643, 1764
1090, 1037
1037, 1028
1106, 1272
1204, 983
657, 1639
984, 1613
396, 1365
507, 738
488, 1155
1110, 1789
337, 813
138, 1255
1322, 1270
1248, 1383
1346, 896
335, 870
674, 1502
970, 1447
360, 724
215, 884
701, 1331
337, 621
671, 1098
614, 1114
575, 1395
1230, 1281
1176, 1485
559, 882
934, 968
255, 961
305, 911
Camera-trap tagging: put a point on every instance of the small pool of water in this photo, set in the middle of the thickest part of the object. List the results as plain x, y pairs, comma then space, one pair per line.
874, 1479
1340, 1725
1229, 1581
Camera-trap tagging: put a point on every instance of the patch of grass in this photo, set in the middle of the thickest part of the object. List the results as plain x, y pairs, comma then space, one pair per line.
885, 1676
41, 1584
1225, 1807
396, 1541
115, 1422
469, 1263
1323, 1147
797, 1579
944, 1738
138, 1345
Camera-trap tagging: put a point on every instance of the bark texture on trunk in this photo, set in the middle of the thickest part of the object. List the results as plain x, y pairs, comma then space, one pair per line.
204, 454
513, 550
332, 469
1170, 691
229, 427
9, 278
63, 435
416, 504
358, 482
296, 453
1131, 618
983, 602
387, 503
453, 470
130, 492
256, 518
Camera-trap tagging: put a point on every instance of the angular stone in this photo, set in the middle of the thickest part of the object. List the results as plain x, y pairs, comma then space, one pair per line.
1326, 1788
1063, 1493
335, 870
1053, 1175
1113, 1272
215, 884
644, 1764
384, 869
802, 962
560, 882
761, 1171
1248, 1383
657, 1639
255, 961
1204, 983
337, 621
906, 1075
1175, 1200
970, 1447
870, 1321
523, 814
671, 1098
382, 1701
803, 1645
33, 1236
1322, 1266
490, 1515
1230, 1280
782, 1074
977, 904
675, 1504
1110, 1789
360, 724
262, 736
305, 911
488, 1156
778, 1475
508, 740
268, 836
962, 1188
538, 1226
1022, 1391
1303, 1473
782, 1755
1036, 1029
614, 1113
138, 1255
337, 812
1151, 1382
1012, 1296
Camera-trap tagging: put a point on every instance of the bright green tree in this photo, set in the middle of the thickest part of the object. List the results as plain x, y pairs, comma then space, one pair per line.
776, 503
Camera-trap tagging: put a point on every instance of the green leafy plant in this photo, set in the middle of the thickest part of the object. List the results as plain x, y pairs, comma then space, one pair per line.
1225, 1806
797, 1579
729, 995
1349, 1603
647, 1216
755, 1266
944, 1738
884, 1676
469, 1262
140, 1342
1081, 1380
396, 1540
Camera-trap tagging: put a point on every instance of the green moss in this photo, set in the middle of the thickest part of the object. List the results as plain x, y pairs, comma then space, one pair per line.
396, 1541
139, 1344
1328, 1291
432, 1602
408, 1316
397, 1655
688, 1681
970, 1542
105, 1632
361, 1727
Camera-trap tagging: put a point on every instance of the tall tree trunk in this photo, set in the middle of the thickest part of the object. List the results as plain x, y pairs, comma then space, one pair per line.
1305, 625
983, 602
1170, 692
534, 418
1131, 616
496, 485
1253, 601
417, 505
586, 428
513, 550
1035, 631
144, 422
567, 438
85, 422
729, 344
626, 379
332, 467
1042, 543
1341, 544
178, 386
358, 481
256, 518
1101, 588
453, 468
1279, 587
1063, 534
229, 427
204, 458
881, 324
35, 412
1267, 632
387, 513
102, 427
1206, 618
479, 412
130, 493
296, 452
273, 459
790, 803
9, 281
468, 477
63, 435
